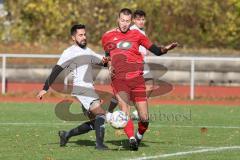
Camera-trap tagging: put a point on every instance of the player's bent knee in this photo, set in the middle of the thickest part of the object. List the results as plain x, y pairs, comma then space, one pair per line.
96, 108
144, 118
100, 116
95, 103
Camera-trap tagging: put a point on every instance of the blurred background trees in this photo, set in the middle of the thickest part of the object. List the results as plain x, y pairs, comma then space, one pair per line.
193, 23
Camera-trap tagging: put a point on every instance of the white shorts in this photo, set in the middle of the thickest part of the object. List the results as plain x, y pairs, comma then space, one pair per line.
87, 96
146, 72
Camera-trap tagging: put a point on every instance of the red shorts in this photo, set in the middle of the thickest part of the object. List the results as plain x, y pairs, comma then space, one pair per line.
134, 87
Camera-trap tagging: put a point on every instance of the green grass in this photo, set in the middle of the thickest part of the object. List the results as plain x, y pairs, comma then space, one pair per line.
29, 131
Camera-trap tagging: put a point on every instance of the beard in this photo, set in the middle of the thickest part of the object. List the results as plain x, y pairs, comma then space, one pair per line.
122, 30
82, 44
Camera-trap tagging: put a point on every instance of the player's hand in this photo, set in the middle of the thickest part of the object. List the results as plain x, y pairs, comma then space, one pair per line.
41, 93
171, 46
105, 60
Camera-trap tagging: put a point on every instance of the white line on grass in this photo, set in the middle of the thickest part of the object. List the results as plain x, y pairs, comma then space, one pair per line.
73, 123
217, 149
183, 126
34, 124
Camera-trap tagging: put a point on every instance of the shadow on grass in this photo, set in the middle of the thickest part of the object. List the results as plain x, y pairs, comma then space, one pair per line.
78, 142
88, 143
123, 144
119, 145
84, 142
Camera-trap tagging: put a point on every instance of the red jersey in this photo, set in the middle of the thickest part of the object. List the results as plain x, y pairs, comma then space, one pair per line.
126, 59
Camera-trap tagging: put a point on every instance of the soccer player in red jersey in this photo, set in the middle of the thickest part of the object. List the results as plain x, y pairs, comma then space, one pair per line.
139, 19
122, 45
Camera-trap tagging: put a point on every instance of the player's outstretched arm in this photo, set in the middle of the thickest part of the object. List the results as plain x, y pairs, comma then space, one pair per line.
170, 47
158, 51
55, 72
41, 93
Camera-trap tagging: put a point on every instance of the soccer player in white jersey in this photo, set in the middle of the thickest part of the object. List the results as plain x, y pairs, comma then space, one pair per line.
80, 58
139, 24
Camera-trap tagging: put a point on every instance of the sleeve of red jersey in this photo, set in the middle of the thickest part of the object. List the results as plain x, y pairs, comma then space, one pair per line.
103, 41
105, 46
144, 41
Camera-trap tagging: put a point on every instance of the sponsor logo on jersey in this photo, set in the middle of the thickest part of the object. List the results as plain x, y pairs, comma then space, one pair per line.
124, 45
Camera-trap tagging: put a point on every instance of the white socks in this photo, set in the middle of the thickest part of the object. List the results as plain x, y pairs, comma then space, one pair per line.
139, 136
108, 117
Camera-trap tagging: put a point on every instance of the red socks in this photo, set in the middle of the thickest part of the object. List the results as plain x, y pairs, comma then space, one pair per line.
129, 129
142, 127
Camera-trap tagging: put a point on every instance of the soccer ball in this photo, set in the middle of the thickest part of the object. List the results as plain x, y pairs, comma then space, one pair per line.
119, 119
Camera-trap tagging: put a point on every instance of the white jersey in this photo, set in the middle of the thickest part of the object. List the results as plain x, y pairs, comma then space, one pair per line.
141, 49
80, 61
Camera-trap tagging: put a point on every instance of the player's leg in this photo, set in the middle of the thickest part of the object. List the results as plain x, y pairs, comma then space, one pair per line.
142, 108
140, 100
113, 104
99, 126
122, 93
149, 80
81, 129
149, 83
91, 103
123, 100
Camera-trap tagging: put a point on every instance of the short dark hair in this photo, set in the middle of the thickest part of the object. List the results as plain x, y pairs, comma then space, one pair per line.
125, 11
76, 27
139, 13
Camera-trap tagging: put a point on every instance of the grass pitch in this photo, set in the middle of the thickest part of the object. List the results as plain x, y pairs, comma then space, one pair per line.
29, 131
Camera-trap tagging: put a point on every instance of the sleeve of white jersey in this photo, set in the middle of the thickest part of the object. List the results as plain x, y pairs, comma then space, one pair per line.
96, 58
65, 59
141, 49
